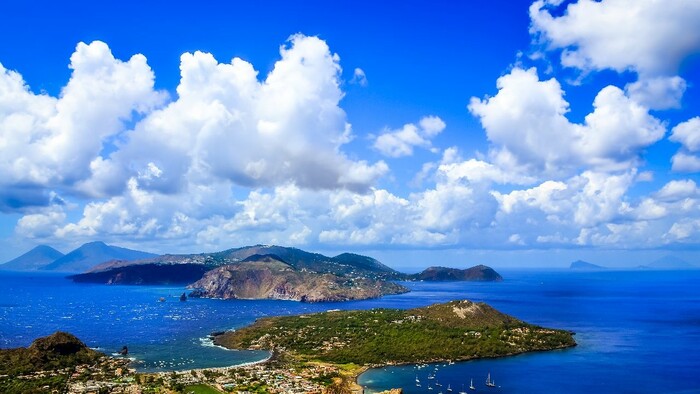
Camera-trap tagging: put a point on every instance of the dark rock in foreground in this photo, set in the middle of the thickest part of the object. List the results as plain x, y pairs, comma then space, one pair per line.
269, 277
442, 274
54, 352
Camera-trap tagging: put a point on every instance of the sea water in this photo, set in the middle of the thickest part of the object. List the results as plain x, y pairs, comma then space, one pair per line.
637, 331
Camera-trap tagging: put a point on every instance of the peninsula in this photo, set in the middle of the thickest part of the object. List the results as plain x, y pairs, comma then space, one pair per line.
456, 330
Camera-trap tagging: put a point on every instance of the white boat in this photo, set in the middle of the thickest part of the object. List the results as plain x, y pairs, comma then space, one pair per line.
449, 388
489, 382
471, 385
462, 392
417, 381
430, 387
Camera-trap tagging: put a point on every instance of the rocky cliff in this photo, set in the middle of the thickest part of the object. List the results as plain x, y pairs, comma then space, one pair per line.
145, 274
270, 277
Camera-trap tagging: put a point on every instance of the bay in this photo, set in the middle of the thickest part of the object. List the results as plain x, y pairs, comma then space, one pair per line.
638, 331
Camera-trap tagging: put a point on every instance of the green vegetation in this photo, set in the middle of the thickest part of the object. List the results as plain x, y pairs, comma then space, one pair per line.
57, 351
45, 384
200, 389
53, 363
457, 330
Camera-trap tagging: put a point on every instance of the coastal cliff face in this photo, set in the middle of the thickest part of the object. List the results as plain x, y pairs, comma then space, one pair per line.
144, 274
269, 277
443, 274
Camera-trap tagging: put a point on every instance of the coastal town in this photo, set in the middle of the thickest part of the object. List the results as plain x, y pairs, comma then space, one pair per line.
265, 377
61, 363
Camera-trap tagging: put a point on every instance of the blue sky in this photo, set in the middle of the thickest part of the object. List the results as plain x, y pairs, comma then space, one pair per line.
500, 132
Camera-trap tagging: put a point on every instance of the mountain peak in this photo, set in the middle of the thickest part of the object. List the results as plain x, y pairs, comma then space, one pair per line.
92, 253
584, 265
36, 258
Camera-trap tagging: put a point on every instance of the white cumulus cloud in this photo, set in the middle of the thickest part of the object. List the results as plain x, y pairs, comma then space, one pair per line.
648, 37
688, 135
48, 142
526, 122
228, 125
401, 142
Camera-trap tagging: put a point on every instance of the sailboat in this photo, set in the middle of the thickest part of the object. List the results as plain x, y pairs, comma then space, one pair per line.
462, 392
471, 385
489, 382
449, 388
417, 381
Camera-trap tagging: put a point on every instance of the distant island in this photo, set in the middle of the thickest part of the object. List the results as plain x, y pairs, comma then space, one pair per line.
274, 272
663, 263
457, 330
85, 257
669, 263
479, 273
584, 265
35, 259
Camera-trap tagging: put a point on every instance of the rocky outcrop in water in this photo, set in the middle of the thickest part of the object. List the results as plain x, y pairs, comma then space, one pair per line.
443, 274
270, 277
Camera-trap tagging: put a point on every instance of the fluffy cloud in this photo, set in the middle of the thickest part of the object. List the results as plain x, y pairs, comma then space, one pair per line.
398, 143
657, 92
648, 37
688, 134
237, 159
683, 162
48, 142
227, 125
359, 77
526, 121
678, 190
478, 171
595, 209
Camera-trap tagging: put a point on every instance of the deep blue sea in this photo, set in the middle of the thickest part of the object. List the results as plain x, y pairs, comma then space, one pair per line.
638, 331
